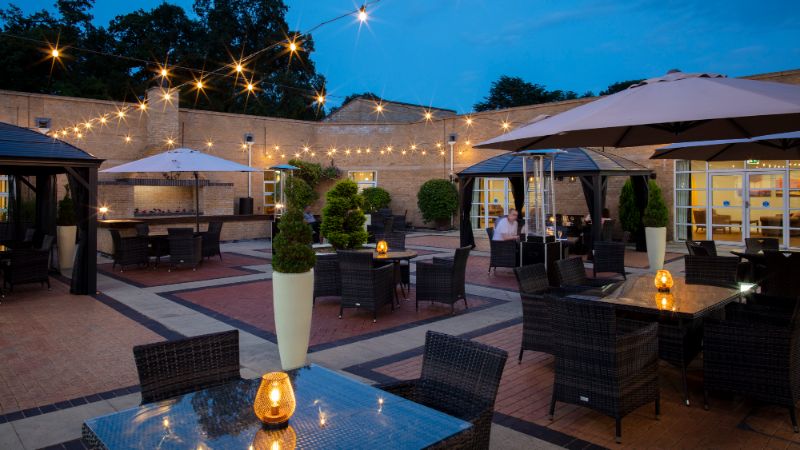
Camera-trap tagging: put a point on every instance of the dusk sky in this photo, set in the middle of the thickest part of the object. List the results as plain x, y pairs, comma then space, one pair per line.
446, 53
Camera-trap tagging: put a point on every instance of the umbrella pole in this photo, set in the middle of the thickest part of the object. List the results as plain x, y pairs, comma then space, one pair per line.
196, 203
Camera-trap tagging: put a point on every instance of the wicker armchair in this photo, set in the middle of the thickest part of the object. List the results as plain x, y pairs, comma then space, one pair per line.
607, 364
570, 273
24, 266
702, 248
502, 253
364, 286
609, 257
755, 245
459, 377
211, 240
327, 281
443, 280
755, 352
607, 230
129, 251
782, 270
172, 368
537, 332
712, 270
185, 251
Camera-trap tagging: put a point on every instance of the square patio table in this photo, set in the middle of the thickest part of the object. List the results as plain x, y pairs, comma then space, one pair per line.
639, 294
332, 411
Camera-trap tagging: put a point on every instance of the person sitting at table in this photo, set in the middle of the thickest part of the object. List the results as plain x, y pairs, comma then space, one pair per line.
309, 218
506, 228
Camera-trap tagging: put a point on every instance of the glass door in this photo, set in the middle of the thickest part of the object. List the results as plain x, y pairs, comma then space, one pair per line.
766, 205
727, 207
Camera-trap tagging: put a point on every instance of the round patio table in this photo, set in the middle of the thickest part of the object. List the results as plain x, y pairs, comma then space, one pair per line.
395, 256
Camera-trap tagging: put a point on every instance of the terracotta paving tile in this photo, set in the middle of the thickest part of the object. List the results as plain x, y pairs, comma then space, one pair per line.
451, 242
526, 389
56, 346
212, 268
251, 304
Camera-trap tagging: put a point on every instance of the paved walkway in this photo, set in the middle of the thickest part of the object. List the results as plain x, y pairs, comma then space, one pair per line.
68, 358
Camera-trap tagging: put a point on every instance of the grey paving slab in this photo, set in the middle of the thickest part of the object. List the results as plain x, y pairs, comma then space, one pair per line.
58, 426
505, 438
266, 275
125, 401
8, 438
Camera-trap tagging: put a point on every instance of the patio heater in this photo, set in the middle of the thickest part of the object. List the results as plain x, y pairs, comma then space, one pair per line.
540, 244
283, 170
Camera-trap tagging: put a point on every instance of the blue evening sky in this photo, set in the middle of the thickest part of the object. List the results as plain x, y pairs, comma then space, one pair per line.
446, 53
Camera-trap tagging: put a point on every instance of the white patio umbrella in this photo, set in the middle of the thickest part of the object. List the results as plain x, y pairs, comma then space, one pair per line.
678, 107
182, 160
772, 146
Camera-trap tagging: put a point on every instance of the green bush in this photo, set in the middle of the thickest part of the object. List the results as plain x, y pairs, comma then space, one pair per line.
342, 217
629, 216
331, 172
375, 198
66, 210
437, 199
656, 215
308, 171
292, 252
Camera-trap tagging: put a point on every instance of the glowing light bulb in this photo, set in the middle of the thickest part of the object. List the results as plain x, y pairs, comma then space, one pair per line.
170, 141
275, 396
506, 125
103, 120
164, 72
76, 129
239, 68
55, 53
250, 87
165, 422
305, 149
362, 14
320, 99
292, 47
143, 106
199, 84
121, 114
127, 139
413, 147
379, 108
428, 115
209, 144
469, 121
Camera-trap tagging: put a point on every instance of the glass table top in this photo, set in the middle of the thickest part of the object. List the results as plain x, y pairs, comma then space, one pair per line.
639, 293
332, 412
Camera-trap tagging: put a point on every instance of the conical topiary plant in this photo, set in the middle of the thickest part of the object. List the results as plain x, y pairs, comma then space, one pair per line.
342, 217
66, 210
656, 215
292, 252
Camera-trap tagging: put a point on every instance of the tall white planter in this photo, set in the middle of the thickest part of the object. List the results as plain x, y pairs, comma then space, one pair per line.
293, 299
66, 246
656, 246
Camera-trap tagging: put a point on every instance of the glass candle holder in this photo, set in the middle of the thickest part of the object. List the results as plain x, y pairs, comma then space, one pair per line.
382, 247
274, 403
663, 280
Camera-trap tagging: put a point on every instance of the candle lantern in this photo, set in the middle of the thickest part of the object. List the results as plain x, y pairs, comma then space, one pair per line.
663, 280
275, 401
382, 247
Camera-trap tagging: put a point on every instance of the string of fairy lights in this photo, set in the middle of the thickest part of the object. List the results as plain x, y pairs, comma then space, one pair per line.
245, 81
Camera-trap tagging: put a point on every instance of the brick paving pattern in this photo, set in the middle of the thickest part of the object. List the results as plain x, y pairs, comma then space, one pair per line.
212, 268
55, 346
251, 303
526, 389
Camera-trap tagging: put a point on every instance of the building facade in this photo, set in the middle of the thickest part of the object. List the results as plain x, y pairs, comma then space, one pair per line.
398, 149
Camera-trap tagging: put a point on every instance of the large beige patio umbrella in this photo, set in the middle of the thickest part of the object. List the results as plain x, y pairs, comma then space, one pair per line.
678, 107
779, 146
183, 160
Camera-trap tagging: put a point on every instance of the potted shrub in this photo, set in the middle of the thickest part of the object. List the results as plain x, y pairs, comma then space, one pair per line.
342, 216
655, 219
437, 200
629, 216
66, 231
293, 277
375, 198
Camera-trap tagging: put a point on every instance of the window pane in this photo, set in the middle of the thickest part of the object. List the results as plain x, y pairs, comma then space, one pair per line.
362, 176
756, 164
725, 165
269, 175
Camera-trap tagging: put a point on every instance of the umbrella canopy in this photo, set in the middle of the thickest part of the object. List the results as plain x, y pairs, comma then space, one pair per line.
183, 160
287, 167
678, 107
769, 147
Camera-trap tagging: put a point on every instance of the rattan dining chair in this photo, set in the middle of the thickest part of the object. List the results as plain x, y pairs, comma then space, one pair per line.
128, 251
443, 280
502, 253
537, 331
712, 270
211, 240
459, 377
609, 257
571, 273
755, 245
396, 240
172, 368
782, 269
364, 286
701, 248
601, 362
327, 281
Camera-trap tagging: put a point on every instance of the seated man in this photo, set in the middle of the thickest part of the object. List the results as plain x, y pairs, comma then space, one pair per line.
506, 229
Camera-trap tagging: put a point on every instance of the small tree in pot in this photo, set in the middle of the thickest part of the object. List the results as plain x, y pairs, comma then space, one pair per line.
66, 230
437, 200
655, 219
375, 198
342, 217
293, 277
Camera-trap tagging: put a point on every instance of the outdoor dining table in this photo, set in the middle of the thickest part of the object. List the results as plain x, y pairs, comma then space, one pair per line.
332, 411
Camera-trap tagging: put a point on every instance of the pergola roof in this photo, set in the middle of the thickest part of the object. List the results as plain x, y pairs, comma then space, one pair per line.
572, 162
24, 147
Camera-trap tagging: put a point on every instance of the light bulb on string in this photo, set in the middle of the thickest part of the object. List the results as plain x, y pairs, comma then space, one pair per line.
428, 115
505, 126
127, 139
103, 120
55, 53
362, 14
143, 106
468, 120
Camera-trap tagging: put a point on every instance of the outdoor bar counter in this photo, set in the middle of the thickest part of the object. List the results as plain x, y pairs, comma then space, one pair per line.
235, 227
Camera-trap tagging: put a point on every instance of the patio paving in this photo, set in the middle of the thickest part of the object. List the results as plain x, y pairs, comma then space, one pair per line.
56, 347
231, 265
249, 306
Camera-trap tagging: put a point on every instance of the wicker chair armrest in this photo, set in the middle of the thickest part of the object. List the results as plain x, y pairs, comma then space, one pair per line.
430, 267
405, 389
445, 261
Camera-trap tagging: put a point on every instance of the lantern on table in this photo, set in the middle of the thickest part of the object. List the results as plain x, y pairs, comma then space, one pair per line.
275, 402
663, 280
382, 247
